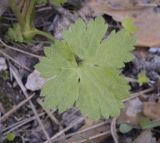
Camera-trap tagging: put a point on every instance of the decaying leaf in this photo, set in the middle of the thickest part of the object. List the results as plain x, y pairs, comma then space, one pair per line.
86, 70
151, 110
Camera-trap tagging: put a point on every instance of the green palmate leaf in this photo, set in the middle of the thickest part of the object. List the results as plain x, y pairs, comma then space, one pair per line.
86, 70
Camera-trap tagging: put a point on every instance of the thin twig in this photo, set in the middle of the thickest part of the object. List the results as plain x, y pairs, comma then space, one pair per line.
20, 124
134, 95
40, 9
66, 129
12, 59
6, 115
19, 50
93, 137
114, 131
16, 76
94, 127
130, 79
50, 115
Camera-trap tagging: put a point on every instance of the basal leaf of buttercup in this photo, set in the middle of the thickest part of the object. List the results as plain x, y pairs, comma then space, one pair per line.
86, 70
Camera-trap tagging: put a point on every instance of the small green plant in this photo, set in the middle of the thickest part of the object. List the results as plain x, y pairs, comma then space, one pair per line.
83, 70
11, 136
125, 128
142, 78
24, 29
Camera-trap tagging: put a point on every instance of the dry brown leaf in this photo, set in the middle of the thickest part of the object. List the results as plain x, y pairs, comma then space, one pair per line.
149, 29
151, 110
146, 17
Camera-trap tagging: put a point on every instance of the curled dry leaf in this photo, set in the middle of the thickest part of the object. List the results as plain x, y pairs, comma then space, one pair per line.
147, 16
151, 110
